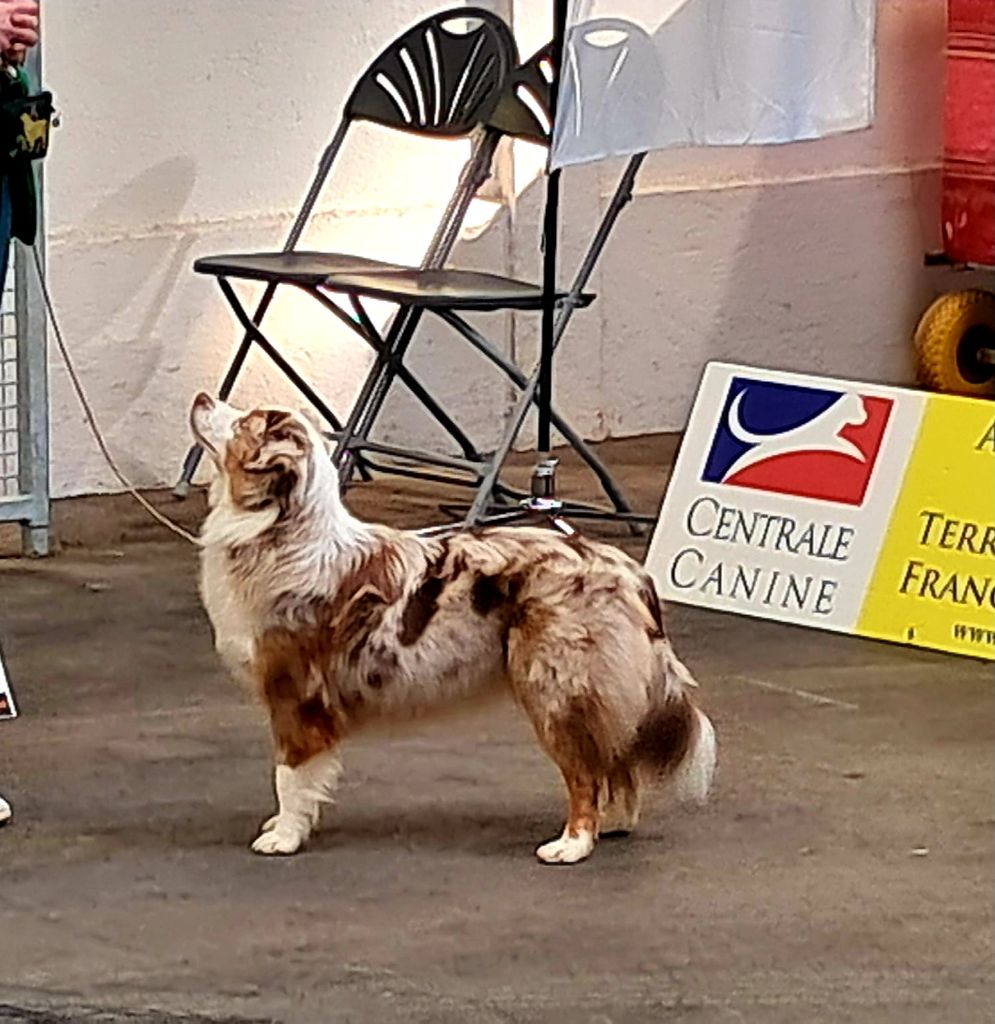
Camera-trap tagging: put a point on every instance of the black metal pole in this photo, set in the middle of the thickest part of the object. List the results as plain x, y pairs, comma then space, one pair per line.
550, 237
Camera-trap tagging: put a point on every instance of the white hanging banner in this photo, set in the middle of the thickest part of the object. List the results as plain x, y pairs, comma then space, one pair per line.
8, 709
652, 74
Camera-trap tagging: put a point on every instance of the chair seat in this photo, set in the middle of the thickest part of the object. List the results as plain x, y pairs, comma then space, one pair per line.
449, 289
304, 268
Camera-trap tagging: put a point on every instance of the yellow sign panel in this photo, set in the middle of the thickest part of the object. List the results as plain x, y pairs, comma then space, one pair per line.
934, 582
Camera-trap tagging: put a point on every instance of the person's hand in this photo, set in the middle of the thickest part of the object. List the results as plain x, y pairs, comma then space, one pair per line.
18, 27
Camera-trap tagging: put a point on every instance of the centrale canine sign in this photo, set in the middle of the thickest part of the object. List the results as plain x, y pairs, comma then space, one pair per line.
846, 506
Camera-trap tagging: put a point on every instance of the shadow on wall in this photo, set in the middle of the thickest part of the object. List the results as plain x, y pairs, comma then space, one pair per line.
154, 198
827, 276
122, 317
823, 275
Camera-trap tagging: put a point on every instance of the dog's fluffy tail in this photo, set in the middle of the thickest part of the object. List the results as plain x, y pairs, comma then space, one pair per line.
676, 739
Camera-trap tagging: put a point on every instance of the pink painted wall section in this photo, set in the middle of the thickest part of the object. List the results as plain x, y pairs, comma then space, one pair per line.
969, 133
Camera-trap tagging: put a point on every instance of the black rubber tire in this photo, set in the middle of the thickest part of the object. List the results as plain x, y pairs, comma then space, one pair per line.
947, 339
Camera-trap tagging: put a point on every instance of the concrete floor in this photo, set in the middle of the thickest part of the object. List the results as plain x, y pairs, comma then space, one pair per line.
843, 872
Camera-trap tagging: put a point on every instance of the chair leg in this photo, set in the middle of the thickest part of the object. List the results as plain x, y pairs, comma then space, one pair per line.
436, 411
254, 334
366, 329
530, 386
490, 479
375, 389
393, 353
342, 456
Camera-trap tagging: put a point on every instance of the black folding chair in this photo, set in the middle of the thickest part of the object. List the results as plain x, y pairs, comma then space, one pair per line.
441, 78
522, 111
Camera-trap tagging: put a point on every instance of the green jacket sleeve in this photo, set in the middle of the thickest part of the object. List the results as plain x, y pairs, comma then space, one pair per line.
20, 174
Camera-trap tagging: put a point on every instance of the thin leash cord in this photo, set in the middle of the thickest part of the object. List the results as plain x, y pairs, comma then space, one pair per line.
91, 420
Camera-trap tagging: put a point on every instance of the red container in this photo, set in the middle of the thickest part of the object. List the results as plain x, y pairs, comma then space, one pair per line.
966, 17
969, 133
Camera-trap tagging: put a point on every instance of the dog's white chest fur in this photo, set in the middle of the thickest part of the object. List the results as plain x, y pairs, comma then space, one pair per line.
233, 623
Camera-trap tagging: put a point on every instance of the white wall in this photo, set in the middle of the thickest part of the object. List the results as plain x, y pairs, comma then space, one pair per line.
192, 127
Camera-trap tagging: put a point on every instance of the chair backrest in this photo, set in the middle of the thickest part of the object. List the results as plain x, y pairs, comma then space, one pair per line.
611, 94
520, 108
523, 106
441, 77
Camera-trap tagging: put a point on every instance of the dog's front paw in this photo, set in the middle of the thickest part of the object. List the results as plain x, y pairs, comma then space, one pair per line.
278, 839
270, 823
567, 849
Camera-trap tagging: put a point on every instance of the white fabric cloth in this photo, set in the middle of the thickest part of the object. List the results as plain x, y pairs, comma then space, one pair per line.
651, 74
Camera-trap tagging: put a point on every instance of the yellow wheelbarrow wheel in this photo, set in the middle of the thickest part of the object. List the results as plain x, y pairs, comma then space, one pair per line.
955, 343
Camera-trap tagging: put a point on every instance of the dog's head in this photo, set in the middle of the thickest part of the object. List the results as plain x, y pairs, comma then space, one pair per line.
266, 458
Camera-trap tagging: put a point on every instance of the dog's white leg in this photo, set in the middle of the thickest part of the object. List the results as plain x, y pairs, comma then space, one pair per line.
300, 793
569, 848
581, 831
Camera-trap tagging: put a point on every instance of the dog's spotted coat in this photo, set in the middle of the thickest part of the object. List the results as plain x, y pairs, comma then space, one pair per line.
338, 624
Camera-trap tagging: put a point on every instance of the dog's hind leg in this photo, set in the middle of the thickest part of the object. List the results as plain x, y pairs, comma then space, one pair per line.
569, 736
581, 830
552, 685
620, 805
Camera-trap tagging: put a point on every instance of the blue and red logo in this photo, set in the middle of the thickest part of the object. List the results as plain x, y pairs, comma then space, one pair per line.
789, 439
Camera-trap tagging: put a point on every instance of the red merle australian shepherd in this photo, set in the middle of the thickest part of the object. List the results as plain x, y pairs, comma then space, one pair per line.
337, 624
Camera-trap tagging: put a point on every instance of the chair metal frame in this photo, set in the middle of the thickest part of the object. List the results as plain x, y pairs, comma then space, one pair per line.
488, 485
444, 293
398, 93
531, 121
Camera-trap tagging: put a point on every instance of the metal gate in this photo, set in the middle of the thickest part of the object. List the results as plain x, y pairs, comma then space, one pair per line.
24, 476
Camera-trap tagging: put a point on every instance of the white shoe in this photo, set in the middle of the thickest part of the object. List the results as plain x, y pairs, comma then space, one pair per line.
5, 811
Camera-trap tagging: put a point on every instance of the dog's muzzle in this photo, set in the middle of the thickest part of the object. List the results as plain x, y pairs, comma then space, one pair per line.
212, 422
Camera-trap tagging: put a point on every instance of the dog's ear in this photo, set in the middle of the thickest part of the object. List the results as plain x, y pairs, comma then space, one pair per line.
320, 427
271, 452
277, 440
